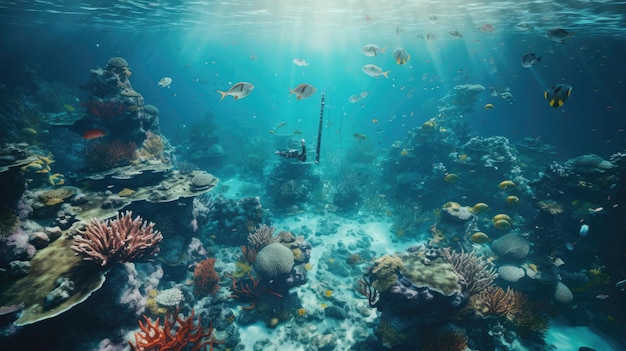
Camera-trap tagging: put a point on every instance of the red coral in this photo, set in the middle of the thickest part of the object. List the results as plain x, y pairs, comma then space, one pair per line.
250, 289
117, 240
205, 278
105, 110
106, 155
187, 336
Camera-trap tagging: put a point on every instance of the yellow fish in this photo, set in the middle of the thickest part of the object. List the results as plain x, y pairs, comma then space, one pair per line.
489, 107
404, 152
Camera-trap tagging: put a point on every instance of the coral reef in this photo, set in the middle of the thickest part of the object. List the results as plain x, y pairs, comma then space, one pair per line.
189, 334
118, 240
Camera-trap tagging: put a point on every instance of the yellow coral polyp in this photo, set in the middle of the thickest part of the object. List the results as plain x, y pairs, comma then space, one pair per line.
480, 238
502, 224
507, 184
430, 124
126, 192
480, 207
512, 200
56, 179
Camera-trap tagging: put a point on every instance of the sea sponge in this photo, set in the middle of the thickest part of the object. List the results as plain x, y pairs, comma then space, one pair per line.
384, 270
456, 211
273, 261
56, 196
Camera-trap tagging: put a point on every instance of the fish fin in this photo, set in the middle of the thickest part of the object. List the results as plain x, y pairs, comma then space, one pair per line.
545, 95
539, 58
569, 91
222, 93
235, 97
386, 74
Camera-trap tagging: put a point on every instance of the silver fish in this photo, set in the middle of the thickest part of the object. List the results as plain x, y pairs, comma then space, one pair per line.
529, 59
557, 35
374, 71
238, 91
303, 91
371, 50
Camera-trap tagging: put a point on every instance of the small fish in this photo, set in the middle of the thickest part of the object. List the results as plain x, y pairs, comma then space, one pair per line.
489, 107
529, 59
621, 285
557, 95
374, 120
303, 91
94, 134
165, 82
238, 91
584, 230
569, 245
363, 94
524, 26
374, 71
602, 296
300, 62
371, 50
404, 152
455, 34
359, 136
281, 124
353, 99
487, 28
596, 210
401, 56
558, 35
297, 132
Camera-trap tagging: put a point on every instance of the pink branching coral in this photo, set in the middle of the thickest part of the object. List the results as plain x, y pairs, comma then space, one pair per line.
121, 239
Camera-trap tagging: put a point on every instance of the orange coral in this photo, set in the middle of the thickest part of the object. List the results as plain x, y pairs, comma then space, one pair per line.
494, 301
187, 335
205, 278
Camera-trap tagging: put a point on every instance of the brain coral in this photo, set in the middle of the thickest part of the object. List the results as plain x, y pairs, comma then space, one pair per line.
437, 275
562, 293
202, 181
117, 62
511, 246
273, 260
511, 273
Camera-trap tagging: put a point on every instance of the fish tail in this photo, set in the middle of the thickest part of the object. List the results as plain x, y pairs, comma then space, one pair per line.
222, 93
539, 58
386, 74
292, 91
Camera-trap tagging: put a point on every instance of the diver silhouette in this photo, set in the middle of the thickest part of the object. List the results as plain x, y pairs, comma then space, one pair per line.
294, 153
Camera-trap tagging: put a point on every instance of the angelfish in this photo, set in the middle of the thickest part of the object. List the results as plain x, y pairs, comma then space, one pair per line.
238, 91
557, 95
401, 56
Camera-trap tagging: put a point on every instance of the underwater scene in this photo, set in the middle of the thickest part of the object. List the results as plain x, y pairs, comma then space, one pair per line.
326, 175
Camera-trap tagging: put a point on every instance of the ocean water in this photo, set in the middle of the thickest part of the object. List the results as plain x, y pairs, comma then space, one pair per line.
368, 124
